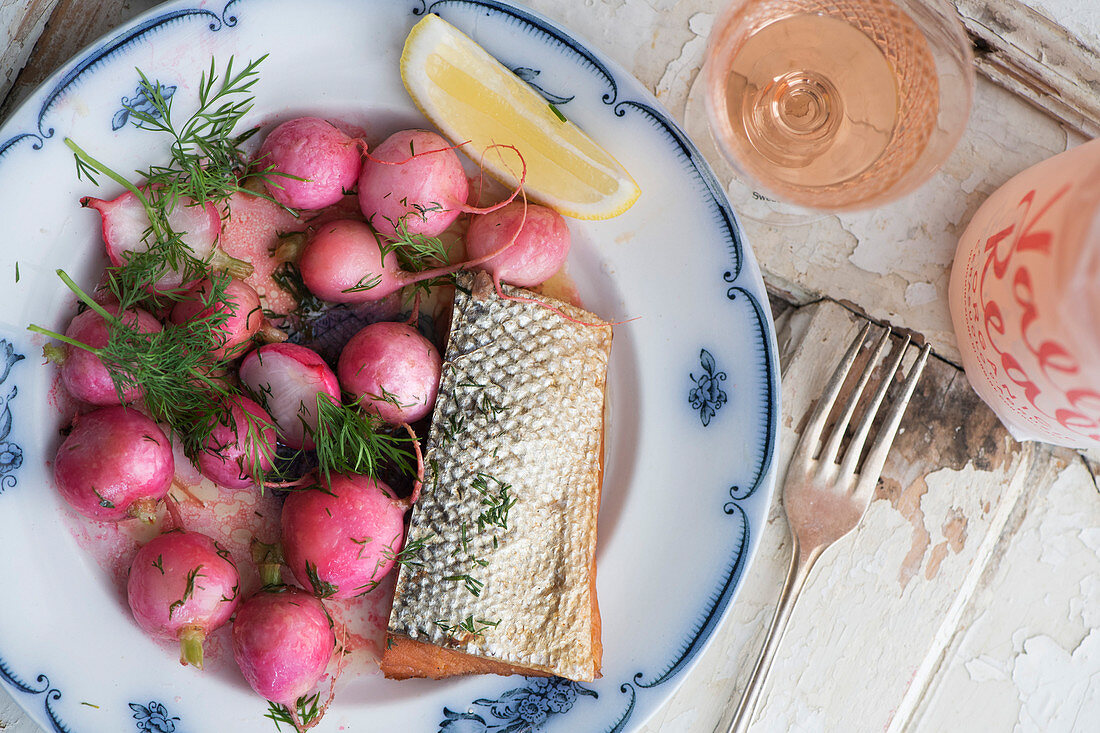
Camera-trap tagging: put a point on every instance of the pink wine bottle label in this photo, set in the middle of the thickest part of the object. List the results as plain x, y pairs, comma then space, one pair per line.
1025, 300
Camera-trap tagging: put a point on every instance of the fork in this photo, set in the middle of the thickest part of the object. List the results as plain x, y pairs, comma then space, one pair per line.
824, 494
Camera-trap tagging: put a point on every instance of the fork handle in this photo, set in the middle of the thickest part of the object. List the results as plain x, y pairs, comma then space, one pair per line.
797, 574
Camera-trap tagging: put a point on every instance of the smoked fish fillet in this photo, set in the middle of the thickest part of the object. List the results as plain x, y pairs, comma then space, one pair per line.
499, 567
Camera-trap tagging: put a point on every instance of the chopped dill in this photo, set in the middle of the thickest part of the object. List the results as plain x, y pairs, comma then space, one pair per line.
473, 627
189, 590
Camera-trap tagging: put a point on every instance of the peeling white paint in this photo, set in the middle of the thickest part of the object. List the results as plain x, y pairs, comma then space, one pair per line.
920, 293
1058, 689
984, 669
672, 89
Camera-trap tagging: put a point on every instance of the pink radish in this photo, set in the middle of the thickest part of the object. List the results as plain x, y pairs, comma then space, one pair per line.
240, 450
240, 303
116, 463
413, 177
327, 161
282, 641
287, 379
392, 370
540, 243
125, 223
182, 585
342, 540
83, 373
343, 263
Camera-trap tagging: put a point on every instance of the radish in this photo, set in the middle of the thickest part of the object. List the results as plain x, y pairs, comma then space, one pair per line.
240, 449
327, 161
183, 585
125, 223
282, 641
343, 263
413, 181
240, 303
83, 373
341, 541
116, 463
287, 379
392, 370
539, 240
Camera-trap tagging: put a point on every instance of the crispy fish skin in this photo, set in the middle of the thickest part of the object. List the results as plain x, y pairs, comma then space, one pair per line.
519, 416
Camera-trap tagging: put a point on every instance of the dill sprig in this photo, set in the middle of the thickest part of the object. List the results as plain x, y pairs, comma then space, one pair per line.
307, 709
410, 555
207, 161
205, 166
348, 440
181, 380
415, 252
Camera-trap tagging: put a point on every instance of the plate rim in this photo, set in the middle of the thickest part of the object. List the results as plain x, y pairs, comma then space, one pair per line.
743, 266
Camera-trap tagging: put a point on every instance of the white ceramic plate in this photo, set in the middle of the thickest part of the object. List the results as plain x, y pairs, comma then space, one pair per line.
694, 382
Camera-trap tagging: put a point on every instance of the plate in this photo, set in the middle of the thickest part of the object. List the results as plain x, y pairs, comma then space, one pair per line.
694, 386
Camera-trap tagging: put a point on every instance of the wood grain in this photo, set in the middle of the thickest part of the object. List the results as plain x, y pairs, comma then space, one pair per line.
1037, 59
72, 25
21, 23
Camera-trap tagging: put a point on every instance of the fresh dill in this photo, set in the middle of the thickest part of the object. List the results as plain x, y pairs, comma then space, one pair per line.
486, 406
453, 426
188, 591
497, 499
207, 161
362, 545
471, 626
103, 502
557, 112
307, 710
367, 282
181, 382
386, 396
473, 585
321, 588
348, 440
409, 555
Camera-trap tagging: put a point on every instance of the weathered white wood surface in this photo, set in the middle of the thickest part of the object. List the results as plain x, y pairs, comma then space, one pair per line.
968, 599
21, 23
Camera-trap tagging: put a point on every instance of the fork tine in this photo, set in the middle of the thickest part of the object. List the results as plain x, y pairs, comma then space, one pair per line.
855, 446
816, 422
876, 456
832, 447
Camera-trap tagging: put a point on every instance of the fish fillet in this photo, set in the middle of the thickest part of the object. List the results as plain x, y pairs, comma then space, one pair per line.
500, 571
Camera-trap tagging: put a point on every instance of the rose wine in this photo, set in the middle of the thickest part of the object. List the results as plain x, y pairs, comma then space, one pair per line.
826, 104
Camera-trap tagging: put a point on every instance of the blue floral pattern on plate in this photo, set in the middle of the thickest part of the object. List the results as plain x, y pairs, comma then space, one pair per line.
154, 718
11, 455
707, 396
140, 102
518, 710
723, 272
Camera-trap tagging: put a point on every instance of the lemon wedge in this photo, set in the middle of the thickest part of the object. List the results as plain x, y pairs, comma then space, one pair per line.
470, 96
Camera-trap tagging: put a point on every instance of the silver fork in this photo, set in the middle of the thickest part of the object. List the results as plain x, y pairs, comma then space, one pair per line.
824, 494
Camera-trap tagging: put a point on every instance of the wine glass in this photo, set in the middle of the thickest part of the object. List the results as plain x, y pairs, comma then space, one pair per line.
837, 105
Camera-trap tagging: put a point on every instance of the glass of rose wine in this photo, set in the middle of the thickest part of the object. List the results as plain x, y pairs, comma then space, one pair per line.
838, 104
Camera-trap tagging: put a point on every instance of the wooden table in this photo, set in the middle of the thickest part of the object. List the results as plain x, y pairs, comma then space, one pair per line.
969, 598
